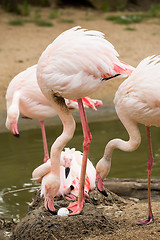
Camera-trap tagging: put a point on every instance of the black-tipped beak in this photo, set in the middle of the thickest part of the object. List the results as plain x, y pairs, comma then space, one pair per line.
72, 187
67, 171
100, 185
16, 135
106, 79
103, 192
52, 212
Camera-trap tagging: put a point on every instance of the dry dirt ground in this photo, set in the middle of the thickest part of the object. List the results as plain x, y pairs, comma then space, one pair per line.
111, 218
21, 46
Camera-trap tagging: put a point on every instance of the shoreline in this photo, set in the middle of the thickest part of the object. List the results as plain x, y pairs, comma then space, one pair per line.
105, 113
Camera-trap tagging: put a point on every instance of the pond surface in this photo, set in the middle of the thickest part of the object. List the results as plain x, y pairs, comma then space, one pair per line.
20, 156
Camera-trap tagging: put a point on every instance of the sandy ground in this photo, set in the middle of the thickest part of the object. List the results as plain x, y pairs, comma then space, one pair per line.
21, 46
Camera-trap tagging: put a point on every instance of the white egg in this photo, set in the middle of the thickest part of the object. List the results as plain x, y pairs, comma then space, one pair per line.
63, 212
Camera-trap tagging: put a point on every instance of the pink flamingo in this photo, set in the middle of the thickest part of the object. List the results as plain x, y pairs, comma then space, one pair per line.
25, 97
136, 101
77, 63
69, 185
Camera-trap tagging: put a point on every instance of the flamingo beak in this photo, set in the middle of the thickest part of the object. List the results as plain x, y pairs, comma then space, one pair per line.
100, 185
14, 129
98, 103
52, 212
67, 171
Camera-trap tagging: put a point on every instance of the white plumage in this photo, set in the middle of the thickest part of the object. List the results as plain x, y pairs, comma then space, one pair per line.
74, 65
137, 100
139, 94
24, 97
76, 58
42, 172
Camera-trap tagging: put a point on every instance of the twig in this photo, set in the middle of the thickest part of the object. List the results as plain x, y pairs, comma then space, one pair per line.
54, 237
18, 190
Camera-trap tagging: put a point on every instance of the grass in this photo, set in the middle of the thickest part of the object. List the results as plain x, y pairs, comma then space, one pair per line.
43, 23
66, 20
25, 9
154, 11
38, 22
127, 19
16, 22
105, 7
37, 15
54, 14
130, 29
87, 16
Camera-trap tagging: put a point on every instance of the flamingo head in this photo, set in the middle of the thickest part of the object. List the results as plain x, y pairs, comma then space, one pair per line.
11, 124
12, 119
67, 166
52, 184
66, 159
102, 170
98, 103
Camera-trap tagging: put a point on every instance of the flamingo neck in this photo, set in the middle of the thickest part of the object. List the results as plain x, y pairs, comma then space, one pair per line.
67, 134
104, 164
127, 146
13, 110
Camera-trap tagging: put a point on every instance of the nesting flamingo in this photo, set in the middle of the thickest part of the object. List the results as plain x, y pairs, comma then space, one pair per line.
137, 100
77, 63
69, 185
24, 97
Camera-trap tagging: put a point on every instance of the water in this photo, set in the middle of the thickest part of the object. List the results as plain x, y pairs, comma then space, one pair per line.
20, 156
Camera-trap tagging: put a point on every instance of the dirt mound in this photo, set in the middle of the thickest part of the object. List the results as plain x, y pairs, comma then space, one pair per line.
40, 224
102, 217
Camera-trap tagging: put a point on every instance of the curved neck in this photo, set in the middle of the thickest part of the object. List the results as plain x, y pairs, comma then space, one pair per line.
67, 134
13, 109
128, 146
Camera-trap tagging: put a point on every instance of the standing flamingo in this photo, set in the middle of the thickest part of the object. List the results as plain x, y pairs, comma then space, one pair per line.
69, 185
136, 101
25, 97
77, 63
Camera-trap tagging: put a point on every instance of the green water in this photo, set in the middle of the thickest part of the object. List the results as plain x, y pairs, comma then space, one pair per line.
19, 157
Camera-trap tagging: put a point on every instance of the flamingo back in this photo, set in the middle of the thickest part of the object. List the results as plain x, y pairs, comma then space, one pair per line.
75, 59
139, 95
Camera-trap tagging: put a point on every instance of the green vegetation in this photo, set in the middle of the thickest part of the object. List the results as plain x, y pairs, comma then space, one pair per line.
36, 20
123, 18
127, 19
66, 20
130, 29
43, 23
25, 9
37, 15
154, 11
105, 7
87, 17
54, 14
16, 22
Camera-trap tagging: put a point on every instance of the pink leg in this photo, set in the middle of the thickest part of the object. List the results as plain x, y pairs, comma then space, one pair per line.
76, 207
150, 163
46, 155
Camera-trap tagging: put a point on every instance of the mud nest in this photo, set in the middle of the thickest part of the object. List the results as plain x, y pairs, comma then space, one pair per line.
40, 224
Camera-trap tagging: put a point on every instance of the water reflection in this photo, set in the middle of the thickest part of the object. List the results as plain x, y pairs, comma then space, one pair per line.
19, 157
